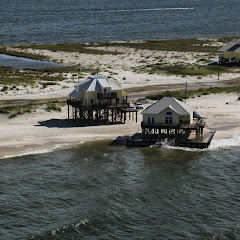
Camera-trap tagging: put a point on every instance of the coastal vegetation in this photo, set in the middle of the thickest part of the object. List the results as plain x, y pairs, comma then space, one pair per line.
14, 111
70, 47
210, 45
184, 69
207, 45
12, 52
180, 95
11, 76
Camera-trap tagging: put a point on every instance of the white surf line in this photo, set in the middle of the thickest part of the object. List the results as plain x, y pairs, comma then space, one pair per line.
225, 143
141, 9
42, 151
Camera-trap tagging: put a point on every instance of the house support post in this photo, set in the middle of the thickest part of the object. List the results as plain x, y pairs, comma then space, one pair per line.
68, 111
75, 114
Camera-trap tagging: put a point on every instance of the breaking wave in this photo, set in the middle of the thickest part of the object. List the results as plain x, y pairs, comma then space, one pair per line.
225, 143
215, 144
46, 150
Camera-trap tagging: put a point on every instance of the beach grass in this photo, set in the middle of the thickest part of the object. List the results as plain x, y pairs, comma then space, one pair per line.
207, 45
14, 111
70, 47
12, 52
185, 69
180, 95
180, 45
11, 76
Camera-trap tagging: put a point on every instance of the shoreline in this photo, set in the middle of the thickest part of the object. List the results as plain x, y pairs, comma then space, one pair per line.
43, 131
40, 130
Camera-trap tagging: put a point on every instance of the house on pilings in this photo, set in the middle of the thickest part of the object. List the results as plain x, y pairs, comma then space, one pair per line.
98, 100
230, 53
173, 120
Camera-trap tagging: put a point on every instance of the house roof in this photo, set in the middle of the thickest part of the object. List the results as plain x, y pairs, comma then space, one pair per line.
94, 84
169, 102
231, 46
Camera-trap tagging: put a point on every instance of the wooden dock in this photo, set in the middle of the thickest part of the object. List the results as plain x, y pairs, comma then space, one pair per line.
137, 141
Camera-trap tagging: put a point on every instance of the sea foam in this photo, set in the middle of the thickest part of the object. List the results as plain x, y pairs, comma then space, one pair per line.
215, 144
225, 143
46, 150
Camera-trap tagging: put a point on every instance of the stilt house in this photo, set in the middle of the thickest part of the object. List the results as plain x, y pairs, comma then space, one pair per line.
230, 53
172, 119
98, 99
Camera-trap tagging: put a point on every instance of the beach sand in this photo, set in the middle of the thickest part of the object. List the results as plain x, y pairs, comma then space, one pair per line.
40, 131
43, 131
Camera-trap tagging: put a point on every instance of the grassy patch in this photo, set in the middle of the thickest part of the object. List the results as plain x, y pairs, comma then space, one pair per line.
185, 69
14, 111
11, 76
51, 106
181, 45
4, 50
180, 95
45, 84
70, 47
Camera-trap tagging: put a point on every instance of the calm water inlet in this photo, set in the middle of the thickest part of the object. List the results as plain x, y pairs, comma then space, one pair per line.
26, 63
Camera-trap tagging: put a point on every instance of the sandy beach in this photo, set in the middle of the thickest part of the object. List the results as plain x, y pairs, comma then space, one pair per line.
39, 131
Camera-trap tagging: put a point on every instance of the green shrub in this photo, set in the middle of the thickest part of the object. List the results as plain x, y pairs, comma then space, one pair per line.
45, 84
53, 107
4, 89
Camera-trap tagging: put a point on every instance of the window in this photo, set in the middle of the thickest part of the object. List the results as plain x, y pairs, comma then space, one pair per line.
150, 120
91, 101
105, 90
117, 100
168, 118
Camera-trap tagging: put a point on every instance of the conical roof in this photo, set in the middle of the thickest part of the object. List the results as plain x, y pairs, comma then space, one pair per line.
94, 84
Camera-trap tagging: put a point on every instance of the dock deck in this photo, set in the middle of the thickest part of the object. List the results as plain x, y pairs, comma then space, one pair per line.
137, 141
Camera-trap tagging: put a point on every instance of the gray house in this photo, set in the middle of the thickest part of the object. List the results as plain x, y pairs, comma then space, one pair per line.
230, 52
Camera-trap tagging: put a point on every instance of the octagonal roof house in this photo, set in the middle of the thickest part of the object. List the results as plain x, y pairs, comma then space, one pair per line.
98, 98
96, 88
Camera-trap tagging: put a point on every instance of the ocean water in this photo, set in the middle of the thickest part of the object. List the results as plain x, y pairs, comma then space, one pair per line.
43, 21
97, 191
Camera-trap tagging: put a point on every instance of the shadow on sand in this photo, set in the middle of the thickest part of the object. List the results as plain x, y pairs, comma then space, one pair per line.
65, 123
60, 123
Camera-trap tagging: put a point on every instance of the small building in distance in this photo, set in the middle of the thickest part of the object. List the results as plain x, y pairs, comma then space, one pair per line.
230, 53
98, 100
171, 119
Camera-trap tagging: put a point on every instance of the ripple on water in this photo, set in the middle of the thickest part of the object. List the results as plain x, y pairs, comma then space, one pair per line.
121, 193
